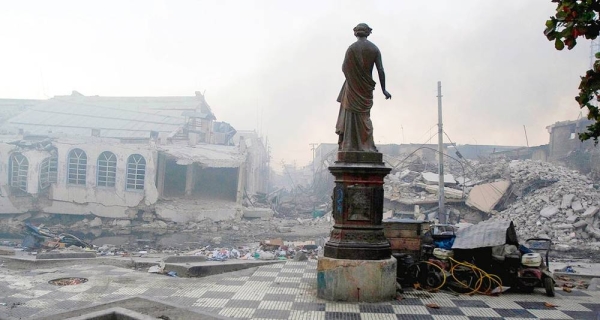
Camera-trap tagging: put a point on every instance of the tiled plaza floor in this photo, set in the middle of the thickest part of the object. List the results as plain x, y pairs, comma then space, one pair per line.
279, 291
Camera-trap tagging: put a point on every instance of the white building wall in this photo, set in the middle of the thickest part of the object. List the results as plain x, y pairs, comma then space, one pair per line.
66, 198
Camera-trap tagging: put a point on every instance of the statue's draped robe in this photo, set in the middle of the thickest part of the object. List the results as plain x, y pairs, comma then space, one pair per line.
356, 99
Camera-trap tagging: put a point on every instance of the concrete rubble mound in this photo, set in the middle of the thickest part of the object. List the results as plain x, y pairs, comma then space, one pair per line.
553, 202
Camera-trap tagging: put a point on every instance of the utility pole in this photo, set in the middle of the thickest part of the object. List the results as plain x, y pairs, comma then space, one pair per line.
526, 139
442, 209
313, 148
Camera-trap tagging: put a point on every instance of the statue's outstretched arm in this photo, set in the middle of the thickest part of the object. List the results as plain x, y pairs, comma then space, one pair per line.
379, 66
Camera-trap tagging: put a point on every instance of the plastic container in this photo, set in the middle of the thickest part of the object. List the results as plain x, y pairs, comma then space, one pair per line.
531, 259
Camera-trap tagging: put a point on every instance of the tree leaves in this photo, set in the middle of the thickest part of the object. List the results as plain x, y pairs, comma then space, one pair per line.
574, 19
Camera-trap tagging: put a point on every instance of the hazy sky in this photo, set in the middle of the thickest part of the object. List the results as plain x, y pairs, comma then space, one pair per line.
275, 66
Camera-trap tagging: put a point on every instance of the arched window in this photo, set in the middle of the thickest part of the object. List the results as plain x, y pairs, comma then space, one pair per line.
136, 171
19, 166
48, 171
77, 167
107, 169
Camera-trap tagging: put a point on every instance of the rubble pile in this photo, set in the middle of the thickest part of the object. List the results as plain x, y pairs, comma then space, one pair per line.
410, 185
475, 171
554, 202
300, 202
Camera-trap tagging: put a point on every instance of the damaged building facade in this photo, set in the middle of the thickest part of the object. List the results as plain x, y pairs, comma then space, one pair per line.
128, 157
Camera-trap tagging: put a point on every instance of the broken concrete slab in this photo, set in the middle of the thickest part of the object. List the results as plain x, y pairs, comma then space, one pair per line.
434, 178
564, 226
486, 196
548, 212
448, 192
571, 219
566, 201
592, 231
580, 224
590, 212
577, 206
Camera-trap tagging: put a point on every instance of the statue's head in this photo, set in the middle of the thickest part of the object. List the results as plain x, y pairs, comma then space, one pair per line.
362, 30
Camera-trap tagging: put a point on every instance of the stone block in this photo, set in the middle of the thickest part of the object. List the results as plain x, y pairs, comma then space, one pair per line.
566, 201
580, 224
571, 219
548, 212
590, 212
356, 280
577, 206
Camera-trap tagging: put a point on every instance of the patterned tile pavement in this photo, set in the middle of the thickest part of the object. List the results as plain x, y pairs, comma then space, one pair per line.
279, 291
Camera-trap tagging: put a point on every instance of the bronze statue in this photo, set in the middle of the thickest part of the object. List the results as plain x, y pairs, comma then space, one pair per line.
354, 125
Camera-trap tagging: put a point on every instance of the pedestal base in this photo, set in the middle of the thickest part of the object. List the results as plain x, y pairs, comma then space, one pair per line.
356, 280
358, 208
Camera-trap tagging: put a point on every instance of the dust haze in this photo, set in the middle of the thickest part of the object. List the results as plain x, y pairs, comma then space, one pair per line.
275, 66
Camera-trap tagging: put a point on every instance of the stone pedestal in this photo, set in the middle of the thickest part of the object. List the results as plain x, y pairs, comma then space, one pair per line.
358, 208
357, 263
356, 280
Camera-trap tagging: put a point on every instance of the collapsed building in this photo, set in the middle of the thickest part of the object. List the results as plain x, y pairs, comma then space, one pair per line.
123, 158
536, 187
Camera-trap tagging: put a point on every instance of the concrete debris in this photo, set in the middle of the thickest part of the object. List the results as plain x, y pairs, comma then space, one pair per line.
563, 207
486, 196
577, 206
97, 222
566, 201
590, 212
448, 192
548, 212
580, 224
410, 187
571, 219
434, 178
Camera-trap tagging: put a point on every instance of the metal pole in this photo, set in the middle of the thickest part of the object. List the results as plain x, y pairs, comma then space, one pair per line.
442, 209
526, 139
312, 145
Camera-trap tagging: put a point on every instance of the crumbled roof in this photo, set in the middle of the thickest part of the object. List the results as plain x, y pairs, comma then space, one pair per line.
115, 117
206, 155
